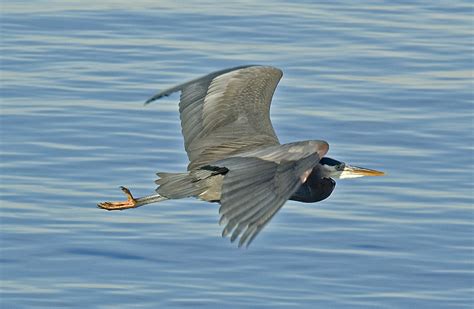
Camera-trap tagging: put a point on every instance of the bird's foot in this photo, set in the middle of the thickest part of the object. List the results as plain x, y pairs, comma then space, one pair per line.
131, 202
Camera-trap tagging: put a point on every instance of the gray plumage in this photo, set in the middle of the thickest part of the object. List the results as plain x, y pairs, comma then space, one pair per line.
235, 157
256, 187
226, 112
225, 120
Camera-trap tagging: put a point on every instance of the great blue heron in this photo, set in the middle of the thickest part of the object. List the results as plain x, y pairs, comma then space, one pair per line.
235, 156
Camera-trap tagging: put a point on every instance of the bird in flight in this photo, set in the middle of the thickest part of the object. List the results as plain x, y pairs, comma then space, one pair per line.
235, 157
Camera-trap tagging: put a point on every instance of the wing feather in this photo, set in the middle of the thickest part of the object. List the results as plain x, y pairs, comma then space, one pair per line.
224, 107
259, 182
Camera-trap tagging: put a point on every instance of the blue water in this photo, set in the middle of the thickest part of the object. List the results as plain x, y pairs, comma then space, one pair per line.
387, 84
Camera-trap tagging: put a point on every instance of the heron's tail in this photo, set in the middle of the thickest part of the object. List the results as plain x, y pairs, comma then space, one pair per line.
181, 185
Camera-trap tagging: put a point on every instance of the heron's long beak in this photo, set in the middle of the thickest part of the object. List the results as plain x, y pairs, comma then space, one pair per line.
355, 171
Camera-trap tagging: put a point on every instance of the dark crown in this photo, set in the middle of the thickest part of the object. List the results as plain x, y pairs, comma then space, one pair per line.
329, 161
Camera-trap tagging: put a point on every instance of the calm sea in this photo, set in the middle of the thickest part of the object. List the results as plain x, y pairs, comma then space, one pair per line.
387, 83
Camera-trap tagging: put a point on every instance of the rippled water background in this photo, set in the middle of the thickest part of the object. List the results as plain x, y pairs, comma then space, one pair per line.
388, 84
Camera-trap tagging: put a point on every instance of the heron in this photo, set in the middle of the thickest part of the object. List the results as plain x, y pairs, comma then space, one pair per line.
235, 157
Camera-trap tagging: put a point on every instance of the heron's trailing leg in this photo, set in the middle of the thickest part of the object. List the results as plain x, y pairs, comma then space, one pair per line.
131, 202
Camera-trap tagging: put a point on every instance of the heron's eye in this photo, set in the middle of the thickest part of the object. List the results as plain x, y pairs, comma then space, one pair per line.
340, 167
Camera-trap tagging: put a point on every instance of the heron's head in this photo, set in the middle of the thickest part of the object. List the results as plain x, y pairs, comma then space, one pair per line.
336, 169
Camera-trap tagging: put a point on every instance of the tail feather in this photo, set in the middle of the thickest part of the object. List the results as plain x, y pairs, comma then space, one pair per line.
170, 177
181, 185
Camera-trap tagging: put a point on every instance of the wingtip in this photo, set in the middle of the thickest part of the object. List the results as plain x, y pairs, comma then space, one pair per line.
149, 101
225, 232
223, 221
156, 97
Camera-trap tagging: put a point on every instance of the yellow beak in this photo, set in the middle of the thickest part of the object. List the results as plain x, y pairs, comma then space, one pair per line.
366, 172
355, 171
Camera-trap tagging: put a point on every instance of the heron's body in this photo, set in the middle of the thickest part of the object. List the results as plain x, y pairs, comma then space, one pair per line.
235, 156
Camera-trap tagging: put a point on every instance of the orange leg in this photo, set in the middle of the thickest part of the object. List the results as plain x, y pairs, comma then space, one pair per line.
131, 202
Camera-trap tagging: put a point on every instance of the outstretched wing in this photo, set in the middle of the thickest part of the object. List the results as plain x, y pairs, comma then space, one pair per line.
226, 112
260, 182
